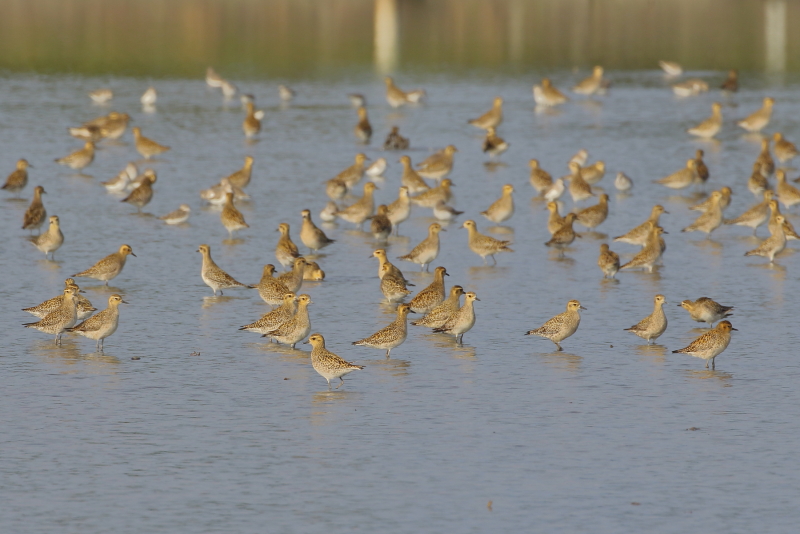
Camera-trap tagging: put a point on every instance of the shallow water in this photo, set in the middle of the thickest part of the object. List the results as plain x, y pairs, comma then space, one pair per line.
245, 436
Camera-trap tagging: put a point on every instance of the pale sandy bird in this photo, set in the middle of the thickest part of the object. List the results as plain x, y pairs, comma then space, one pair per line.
230, 216
757, 183
295, 329
462, 320
433, 295
313, 272
357, 100
361, 209
395, 141
51, 240
580, 157
593, 173
578, 188
142, 195
681, 179
84, 306
561, 326
592, 84
774, 244
427, 251
622, 182
639, 235
102, 325
381, 226
756, 215
119, 183
57, 321
400, 209
146, 146
251, 124
731, 83
547, 95
273, 319
756, 121
327, 364
766, 165
383, 262
493, 144
650, 253
80, 158
109, 267
396, 97
377, 168
431, 197
229, 89
286, 251
784, 150
540, 179
328, 213
555, 191
411, 178
392, 285
270, 289
711, 344
439, 315
443, 212
706, 310
213, 276
671, 68
655, 324
241, 178
724, 201
293, 279
215, 194
594, 216
564, 236
492, 118
773, 224
311, 236
554, 221
690, 87
149, 97
503, 208
391, 336
87, 132
18, 179
700, 166
787, 194
286, 93
438, 165
711, 126
709, 220
213, 79
36, 213
363, 129
484, 245
608, 261
179, 216
101, 96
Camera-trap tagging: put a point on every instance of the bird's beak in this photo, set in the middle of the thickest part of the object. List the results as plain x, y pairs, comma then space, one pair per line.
446, 274
732, 328
125, 302
476, 298
442, 230
306, 342
583, 308
134, 255
665, 232
680, 306
81, 291
665, 211
30, 166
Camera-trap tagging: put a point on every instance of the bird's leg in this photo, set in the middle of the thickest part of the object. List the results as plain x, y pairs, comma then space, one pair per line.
329, 384
714, 362
387, 353
340, 383
706, 364
557, 345
494, 260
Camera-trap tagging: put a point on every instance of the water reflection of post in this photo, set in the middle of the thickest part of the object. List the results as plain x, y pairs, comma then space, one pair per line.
775, 35
387, 36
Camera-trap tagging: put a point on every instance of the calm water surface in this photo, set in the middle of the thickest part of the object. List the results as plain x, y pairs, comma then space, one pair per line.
246, 437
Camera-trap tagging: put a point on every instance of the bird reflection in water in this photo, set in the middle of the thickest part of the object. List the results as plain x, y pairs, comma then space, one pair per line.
208, 302
722, 377
562, 361
655, 352
488, 272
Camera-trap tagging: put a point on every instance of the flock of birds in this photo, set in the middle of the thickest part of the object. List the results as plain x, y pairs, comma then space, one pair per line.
425, 185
